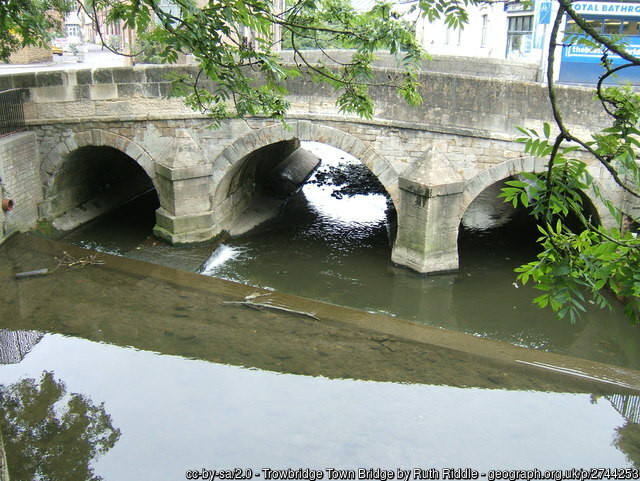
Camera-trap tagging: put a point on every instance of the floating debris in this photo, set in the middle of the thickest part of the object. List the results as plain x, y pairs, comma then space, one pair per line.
68, 260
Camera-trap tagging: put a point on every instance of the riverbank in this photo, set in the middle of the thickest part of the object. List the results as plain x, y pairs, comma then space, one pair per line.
132, 303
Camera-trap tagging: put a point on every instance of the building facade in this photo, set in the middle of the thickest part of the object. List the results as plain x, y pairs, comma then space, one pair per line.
580, 64
495, 30
522, 33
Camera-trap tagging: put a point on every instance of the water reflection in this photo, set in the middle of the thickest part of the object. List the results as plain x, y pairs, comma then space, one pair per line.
218, 385
50, 434
177, 414
14, 345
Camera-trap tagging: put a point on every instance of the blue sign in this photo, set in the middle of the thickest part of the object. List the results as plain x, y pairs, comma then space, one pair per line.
545, 13
584, 54
608, 9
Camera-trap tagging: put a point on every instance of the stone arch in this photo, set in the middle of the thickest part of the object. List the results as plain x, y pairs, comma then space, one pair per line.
56, 157
506, 169
304, 130
70, 201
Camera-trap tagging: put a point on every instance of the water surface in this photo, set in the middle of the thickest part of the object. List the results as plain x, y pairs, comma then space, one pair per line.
190, 379
337, 249
177, 414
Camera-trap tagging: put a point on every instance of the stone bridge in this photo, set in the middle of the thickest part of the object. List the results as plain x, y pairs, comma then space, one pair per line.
104, 127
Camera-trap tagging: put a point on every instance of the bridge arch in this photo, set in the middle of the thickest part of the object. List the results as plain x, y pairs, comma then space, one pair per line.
229, 162
76, 192
502, 171
55, 158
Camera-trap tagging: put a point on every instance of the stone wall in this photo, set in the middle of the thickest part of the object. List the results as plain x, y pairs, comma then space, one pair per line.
459, 104
20, 182
29, 55
449, 64
432, 160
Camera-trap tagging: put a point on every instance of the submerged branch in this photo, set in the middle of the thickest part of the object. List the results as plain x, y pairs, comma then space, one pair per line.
248, 302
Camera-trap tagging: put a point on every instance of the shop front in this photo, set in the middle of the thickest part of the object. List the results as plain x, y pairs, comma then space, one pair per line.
583, 65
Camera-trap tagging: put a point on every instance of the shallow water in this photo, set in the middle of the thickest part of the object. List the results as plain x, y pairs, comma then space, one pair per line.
333, 246
177, 414
190, 379
337, 250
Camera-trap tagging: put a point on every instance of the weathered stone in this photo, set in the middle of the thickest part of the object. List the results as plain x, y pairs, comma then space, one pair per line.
24, 80
102, 76
50, 79
84, 77
6, 82
214, 173
103, 92
128, 75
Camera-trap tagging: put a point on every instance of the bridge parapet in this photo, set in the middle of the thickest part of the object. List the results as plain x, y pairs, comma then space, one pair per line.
459, 104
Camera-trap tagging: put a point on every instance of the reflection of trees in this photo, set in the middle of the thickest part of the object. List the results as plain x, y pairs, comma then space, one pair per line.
52, 435
628, 438
628, 441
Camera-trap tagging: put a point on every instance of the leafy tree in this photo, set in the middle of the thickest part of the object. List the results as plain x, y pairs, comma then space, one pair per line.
580, 264
236, 46
26, 23
49, 435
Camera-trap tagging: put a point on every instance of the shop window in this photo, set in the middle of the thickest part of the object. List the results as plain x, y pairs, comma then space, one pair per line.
607, 26
519, 35
631, 28
594, 23
612, 26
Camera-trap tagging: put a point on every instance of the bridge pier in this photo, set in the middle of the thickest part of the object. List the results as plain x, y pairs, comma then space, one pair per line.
184, 180
429, 216
185, 214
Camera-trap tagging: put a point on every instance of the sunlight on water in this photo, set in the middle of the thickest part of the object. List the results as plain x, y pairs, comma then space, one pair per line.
487, 211
97, 246
361, 209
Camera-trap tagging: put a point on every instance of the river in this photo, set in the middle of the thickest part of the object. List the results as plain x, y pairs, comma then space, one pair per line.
336, 248
176, 372
331, 243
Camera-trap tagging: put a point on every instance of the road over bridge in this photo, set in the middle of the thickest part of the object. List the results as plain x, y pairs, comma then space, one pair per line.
100, 128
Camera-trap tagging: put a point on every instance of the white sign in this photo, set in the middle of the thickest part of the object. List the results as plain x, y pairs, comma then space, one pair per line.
607, 9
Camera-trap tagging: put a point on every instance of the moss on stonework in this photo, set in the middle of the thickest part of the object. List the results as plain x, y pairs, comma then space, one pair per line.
44, 228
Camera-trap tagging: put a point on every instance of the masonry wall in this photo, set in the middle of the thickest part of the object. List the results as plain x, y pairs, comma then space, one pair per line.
20, 182
468, 123
450, 64
458, 104
31, 55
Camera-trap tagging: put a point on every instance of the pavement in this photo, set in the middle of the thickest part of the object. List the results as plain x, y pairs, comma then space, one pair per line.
95, 57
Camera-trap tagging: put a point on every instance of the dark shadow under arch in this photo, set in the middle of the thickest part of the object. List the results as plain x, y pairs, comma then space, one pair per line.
91, 181
489, 225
